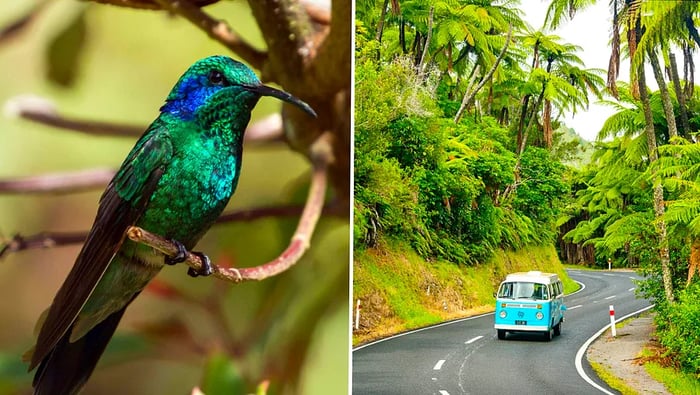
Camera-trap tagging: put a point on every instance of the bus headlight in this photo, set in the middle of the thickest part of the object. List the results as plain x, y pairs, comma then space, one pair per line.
539, 315
502, 314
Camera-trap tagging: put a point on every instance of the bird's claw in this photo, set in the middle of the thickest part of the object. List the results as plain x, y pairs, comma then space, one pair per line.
205, 270
181, 255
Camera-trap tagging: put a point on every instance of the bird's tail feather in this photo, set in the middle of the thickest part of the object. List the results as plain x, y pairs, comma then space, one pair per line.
68, 366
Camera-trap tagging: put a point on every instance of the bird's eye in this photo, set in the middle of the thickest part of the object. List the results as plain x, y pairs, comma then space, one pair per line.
216, 77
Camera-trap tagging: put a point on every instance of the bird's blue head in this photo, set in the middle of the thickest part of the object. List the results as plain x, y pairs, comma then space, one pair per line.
220, 83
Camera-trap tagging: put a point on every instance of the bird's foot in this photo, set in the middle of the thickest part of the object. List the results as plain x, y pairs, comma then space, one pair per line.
205, 270
181, 256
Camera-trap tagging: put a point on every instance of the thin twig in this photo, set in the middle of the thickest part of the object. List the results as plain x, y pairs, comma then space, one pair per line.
55, 239
43, 111
218, 30
21, 24
321, 158
42, 240
66, 182
149, 4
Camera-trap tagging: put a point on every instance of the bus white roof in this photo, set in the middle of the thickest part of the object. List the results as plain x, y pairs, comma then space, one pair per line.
533, 277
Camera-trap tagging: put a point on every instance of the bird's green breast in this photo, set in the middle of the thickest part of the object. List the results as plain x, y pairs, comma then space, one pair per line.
194, 188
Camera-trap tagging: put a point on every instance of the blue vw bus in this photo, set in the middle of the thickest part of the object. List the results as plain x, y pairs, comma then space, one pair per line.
530, 302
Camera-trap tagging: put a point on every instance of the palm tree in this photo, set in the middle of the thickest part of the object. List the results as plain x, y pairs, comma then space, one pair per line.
562, 83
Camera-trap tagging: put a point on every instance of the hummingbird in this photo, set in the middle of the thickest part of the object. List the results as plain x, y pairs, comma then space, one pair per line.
175, 182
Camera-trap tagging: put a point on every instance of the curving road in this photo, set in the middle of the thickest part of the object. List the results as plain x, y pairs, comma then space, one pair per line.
465, 357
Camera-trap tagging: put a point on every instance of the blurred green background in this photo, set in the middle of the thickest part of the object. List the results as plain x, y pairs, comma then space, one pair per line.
292, 330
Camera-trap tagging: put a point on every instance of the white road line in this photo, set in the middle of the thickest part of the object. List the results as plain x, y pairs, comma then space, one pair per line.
631, 289
574, 307
438, 365
421, 329
443, 392
581, 351
607, 274
470, 341
610, 297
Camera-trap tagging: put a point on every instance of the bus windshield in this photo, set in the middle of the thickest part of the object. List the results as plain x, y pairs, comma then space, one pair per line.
523, 290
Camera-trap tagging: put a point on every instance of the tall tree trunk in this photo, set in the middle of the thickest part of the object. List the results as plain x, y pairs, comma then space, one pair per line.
468, 99
531, 122
521, 120
426, 47
694, 260
665, 97
380, 28
380, 25
463, 106
402, 34
658, 188
688, 71
614, 62
547, 132
682, 109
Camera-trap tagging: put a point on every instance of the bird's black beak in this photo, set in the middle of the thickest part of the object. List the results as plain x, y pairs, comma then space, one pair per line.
264, 90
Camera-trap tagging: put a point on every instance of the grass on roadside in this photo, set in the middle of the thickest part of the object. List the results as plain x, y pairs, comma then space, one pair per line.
675, 381
401, 291
615, 383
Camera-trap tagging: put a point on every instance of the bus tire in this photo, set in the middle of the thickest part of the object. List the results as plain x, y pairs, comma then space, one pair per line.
549, 334
557, 329
501, 334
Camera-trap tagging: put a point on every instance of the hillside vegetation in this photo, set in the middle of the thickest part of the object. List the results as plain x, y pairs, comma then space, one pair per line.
399, 290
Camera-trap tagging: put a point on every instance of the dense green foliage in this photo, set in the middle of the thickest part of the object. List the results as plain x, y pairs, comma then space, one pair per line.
678, 328
438, 184
455, 191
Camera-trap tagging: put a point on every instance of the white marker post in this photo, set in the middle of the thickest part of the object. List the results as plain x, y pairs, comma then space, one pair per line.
612, 321
609, 264
357, 315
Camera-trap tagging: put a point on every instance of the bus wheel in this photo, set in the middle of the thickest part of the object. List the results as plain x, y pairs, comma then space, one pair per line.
501, 334
557, 329
549, 334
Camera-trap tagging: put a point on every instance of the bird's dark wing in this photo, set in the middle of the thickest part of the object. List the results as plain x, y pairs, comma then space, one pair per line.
122, 203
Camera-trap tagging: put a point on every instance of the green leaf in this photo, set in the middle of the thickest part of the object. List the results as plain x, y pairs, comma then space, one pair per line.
222, 377
63, 52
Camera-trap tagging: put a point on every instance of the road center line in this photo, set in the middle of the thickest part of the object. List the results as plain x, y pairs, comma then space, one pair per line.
610, 297
470, 341
631, 289
443, 392
438, 365
574, 307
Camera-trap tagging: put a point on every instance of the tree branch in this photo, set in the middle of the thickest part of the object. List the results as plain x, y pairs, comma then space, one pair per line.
18, 26
321, 158
57, 182
43, 111
470, 97
217, 30
41, 240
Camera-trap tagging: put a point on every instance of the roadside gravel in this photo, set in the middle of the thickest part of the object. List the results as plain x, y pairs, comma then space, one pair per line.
620, 355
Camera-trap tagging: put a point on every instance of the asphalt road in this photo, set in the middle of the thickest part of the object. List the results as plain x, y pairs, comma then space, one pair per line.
465, 356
